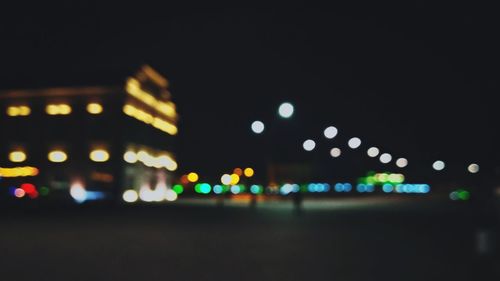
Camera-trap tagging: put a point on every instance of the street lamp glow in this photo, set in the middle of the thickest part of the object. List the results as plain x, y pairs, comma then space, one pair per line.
354, 142
309, 145
335, 152
402, 162
473, 168
385, 158
286, 110
258, 127
438, 165
373, 152
330, 132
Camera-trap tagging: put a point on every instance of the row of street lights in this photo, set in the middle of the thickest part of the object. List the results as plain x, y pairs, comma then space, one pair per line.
286, 111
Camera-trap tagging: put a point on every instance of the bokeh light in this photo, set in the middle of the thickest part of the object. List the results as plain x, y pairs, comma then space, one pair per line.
248, 172
473, 168
258, 127
354, 142
57, 156
170, 195
373, 152
94, 108
286, 110
17, 156
402, 162
130, 196
335, 152
99, 155
438, 165
330, 132
226, 179
309, 145
192, 177
385, 158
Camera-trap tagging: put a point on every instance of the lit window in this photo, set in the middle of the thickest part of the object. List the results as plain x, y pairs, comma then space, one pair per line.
57, 156
99, 155
22, 110
17, 156
58, 109
94, 108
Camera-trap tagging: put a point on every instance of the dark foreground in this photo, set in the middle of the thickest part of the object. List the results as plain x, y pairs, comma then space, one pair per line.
397, 241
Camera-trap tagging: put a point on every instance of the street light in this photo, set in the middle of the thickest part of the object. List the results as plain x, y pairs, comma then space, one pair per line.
438, 165
330, 132
258, 127
309, 145
285, 110
354, 142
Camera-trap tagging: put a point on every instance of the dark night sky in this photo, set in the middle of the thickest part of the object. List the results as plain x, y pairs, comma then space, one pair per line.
421, 82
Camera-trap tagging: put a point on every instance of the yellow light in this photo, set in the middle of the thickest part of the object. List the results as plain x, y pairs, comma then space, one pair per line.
147, 118
249, 172
57, 156
192, 177
52, 109
56, 109
17, 156
133, 87
13, 111
94, 108
22, 110
130, 157
64, 109
99, 155
235, 179
18, 172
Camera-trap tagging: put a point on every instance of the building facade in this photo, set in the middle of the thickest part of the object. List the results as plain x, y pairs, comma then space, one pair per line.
89, 143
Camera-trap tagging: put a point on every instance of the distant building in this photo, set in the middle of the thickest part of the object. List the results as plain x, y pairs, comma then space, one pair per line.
89, 143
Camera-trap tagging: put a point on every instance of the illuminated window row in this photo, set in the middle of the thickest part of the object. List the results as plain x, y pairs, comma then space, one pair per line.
159, 161
52, 109
59, 156
147, 118
133, 87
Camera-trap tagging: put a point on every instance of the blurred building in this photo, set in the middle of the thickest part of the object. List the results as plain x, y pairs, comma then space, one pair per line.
89, 143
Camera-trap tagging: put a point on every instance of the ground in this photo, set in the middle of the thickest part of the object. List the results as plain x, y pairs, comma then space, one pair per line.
369, 239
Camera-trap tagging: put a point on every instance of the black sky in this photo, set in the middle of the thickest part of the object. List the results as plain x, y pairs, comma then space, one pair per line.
419, 81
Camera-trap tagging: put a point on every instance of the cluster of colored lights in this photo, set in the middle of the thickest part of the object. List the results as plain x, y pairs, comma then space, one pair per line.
21, 110
411, 188
382, 178
343, 187
318, 187
149, 119
460, 195
160, 161
18, 172
28, 189
288, 188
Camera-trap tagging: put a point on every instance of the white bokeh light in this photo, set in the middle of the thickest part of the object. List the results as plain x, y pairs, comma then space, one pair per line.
286, 110
354, 142
473, 168
438, 165
402, 162
385, 158
330, 132
309, 145
258, 127
335, 152
373, 152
